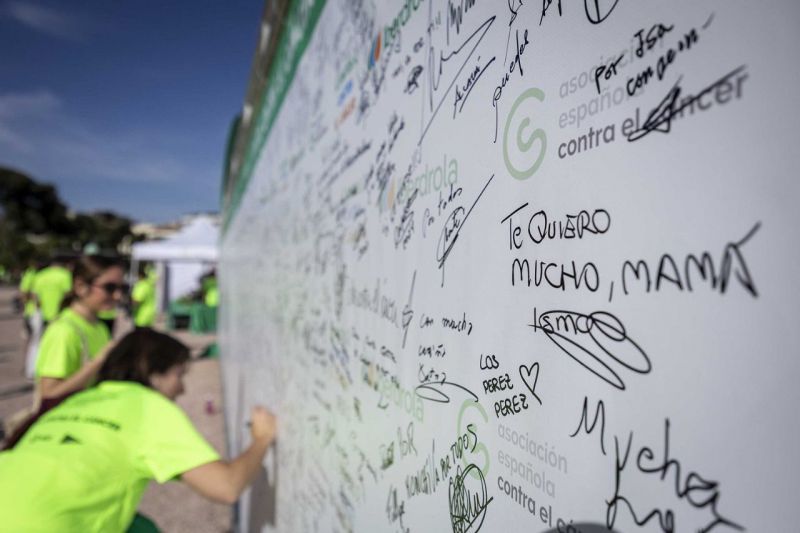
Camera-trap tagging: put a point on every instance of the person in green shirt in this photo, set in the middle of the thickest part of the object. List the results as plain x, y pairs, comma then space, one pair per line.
50, 285
108, 317
70, 350
208, 286
26, 294
83, 466
211, 293
143, 297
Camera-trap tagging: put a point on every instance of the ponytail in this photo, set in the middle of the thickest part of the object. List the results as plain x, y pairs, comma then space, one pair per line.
68, 300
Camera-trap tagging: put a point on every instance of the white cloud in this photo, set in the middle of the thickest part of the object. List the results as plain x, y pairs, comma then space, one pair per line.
37, 103
48, 20
24, 107
10, 139
38, 135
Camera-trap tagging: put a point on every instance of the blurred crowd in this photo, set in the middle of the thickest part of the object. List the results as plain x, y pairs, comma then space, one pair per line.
103, 421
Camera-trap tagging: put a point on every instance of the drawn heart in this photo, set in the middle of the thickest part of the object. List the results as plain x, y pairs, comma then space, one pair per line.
526, 373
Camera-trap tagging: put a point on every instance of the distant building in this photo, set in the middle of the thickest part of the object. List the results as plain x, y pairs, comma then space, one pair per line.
149, 231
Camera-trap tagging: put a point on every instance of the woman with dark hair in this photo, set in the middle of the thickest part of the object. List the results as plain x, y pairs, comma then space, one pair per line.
70, 350
84, 465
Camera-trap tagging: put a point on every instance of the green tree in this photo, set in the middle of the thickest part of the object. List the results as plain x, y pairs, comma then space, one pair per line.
34, 223
31, 207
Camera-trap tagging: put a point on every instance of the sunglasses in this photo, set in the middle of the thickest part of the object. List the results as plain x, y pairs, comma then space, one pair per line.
111, 287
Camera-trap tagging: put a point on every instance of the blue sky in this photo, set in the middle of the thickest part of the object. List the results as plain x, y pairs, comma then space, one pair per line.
124, 105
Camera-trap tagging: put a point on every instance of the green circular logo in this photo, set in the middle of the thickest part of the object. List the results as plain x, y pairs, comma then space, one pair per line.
524, 145
480, 448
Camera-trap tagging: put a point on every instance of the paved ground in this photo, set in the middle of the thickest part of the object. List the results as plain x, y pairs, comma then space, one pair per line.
173, 506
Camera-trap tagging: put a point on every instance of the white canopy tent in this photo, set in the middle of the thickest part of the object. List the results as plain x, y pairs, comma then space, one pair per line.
180, 259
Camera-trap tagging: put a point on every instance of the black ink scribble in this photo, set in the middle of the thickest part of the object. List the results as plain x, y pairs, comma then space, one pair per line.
514, 6
413, 79
396, 509
591, 340
606, 71
468, 504
696, 490
433, 385
405, 227
408, 311
594, 13
472, 81
515, 63
455, 15
435, 74
583, 423
530, 378
701, 266
546, 5
434, 392
660, 118
452, 226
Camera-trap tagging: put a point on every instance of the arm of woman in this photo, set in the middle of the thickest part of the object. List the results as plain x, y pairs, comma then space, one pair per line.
224, 481
53, 387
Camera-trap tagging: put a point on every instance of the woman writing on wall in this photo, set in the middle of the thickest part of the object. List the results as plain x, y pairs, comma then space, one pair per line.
85, 464
70, 352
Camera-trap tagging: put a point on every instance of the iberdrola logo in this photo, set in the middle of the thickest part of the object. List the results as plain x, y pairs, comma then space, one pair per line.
375, 52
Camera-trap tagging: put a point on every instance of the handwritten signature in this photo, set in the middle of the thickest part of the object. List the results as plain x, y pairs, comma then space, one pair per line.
452, 227
515, 63
660, 118
595, 13
699, 492
468, 500
463, 92
435, 73
408, 311
432, 384
593, 339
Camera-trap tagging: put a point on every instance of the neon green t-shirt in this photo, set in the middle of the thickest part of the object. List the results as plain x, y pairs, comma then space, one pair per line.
212, 296
144, 294
84, 465
61, 351
26, 285
107, 314
50, 285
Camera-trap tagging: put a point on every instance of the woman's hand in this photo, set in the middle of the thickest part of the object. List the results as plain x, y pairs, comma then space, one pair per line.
105, 350
224, 481
263, 424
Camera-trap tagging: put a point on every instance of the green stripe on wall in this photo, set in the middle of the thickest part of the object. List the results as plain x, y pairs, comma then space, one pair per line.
280, 77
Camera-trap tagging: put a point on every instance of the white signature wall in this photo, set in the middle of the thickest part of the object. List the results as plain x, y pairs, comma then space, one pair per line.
524, 266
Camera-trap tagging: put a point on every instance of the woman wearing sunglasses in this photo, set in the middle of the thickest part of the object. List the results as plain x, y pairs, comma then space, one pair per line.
70, 353
86, 463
